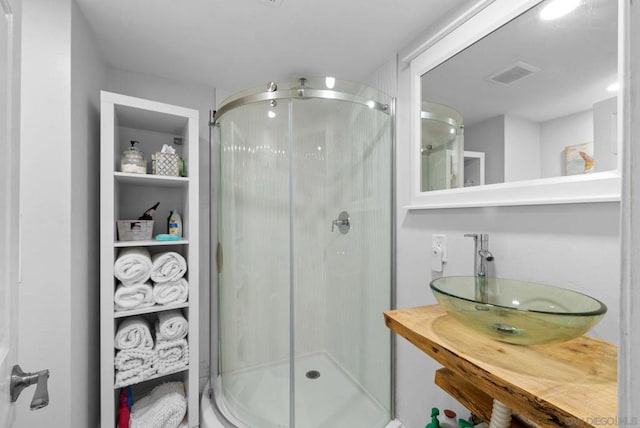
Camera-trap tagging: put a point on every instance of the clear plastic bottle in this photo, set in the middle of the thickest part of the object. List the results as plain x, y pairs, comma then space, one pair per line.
175, 223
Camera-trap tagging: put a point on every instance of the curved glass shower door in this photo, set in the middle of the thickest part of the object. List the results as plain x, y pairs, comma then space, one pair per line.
304, 222
253, 284
441, 149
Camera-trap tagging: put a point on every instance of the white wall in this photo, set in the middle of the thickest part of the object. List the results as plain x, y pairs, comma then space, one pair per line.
45, 318
203, 99
521, 149
574, 246
558, 133
87, 75
488, 137
58, 322
605, 136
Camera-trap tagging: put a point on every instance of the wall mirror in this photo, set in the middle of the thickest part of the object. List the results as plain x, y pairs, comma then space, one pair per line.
517, 107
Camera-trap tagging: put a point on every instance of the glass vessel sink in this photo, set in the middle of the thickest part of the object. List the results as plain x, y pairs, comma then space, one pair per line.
520, 312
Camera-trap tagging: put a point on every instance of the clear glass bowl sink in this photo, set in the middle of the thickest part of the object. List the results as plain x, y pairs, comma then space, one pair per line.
519, 312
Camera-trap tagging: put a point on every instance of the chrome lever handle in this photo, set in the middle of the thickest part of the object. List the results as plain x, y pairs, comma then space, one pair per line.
343, 222
41, 396
21, 380
339, 223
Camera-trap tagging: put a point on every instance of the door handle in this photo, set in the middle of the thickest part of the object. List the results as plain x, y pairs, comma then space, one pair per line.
20, 380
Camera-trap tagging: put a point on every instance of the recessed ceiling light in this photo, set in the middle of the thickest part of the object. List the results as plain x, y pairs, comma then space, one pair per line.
557, 8
613, 87
273, 3
330, 82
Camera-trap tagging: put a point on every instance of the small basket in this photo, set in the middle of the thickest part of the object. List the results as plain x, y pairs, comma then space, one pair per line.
165, 164
135, 230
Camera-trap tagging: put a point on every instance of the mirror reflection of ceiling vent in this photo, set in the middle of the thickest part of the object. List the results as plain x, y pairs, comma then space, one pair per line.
513, 73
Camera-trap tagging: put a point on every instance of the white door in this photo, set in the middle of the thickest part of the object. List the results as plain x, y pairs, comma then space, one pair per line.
9, 156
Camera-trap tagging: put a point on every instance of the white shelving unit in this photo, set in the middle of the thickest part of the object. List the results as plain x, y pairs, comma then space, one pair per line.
126, 196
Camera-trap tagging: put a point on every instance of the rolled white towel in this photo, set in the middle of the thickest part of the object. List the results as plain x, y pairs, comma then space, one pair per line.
171, 292
164, 407
134, 296
168, 266
171, 325
172, 355
133, 265
133, 332
135, 365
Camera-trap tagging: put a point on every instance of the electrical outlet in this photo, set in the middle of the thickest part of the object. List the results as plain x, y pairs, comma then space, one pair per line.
440, 241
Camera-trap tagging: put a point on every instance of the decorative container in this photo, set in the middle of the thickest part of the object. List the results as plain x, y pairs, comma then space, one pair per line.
135, 230
165, 164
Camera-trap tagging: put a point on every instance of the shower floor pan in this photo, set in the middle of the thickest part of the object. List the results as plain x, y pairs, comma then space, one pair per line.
326, 397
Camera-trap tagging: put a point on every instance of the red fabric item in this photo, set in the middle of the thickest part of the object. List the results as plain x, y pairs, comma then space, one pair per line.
123, 411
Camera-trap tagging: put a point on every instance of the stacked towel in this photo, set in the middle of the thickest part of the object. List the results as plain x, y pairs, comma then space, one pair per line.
168, 266
133, 265
136, 359
172, 355
164, 407
171, 325
133, 333
134, 296
171, 292
135, 365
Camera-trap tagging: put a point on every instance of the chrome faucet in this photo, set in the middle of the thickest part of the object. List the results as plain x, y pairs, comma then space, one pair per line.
481, 255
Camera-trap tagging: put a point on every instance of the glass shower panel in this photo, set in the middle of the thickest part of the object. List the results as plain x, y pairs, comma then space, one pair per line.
342, 281
254, 291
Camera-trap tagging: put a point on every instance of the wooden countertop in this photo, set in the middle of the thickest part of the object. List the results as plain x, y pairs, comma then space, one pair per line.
570, 384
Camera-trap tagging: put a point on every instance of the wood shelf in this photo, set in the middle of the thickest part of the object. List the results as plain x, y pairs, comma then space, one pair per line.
470, 396
569, 384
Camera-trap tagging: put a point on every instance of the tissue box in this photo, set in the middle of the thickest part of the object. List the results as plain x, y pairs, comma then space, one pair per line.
135, 230
165, 164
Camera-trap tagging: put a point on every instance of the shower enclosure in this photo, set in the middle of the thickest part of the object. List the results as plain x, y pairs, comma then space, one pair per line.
304, 256
442, 148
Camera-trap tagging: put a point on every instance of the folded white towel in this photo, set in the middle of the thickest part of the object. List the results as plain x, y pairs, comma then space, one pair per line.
171, 325
168, 266
135, 365
133, 332
168, 292
133, 265
172, 355
164, 407
134, 296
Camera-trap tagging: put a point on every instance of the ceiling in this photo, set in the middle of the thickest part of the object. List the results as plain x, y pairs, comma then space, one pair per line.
576, 56
235, 44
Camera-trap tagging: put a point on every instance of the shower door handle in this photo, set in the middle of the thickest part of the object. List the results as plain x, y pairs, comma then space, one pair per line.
219, 259
343, 222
